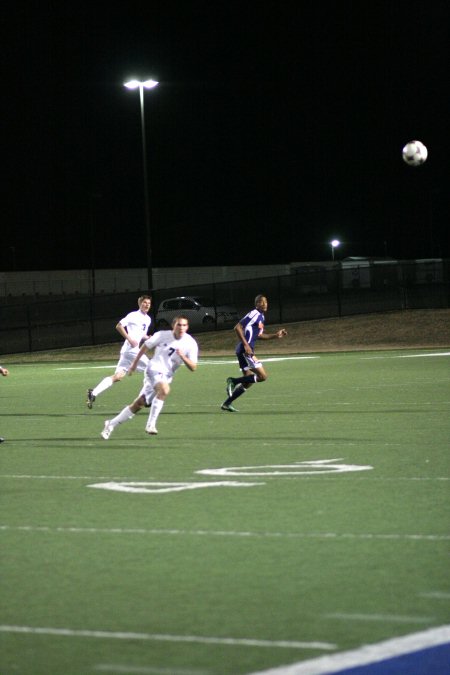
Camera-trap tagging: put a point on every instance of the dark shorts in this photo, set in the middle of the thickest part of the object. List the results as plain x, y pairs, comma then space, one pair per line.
247, 362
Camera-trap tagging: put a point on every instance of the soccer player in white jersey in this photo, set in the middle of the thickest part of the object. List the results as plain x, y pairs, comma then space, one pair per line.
133, 328
249, 329
171, 348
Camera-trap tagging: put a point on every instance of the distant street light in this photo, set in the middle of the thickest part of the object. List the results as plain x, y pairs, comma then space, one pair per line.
147, 84
334, 244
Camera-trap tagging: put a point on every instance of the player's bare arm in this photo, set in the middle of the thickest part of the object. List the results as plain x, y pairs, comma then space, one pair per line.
240, 333
120, 329
187, 362
273, 336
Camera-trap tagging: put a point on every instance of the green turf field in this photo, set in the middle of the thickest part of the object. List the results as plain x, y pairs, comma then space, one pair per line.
315, 520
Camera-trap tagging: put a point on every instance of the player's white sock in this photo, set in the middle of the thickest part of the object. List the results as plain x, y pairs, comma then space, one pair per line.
156, 408
106, 383
122, 417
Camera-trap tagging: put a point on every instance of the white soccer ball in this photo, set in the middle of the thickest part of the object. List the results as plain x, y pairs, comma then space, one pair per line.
414, 153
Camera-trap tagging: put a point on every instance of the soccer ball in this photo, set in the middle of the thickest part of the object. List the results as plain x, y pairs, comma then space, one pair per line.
414, 153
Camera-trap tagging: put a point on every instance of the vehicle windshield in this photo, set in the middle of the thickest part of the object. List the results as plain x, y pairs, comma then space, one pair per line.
204, 302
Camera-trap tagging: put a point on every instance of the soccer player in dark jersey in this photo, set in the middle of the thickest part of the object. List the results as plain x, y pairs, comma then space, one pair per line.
249, 329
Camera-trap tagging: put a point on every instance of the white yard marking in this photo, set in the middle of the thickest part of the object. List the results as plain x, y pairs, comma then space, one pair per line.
414, 356
368, 654
330, 536
124, 478
311, 467
202, 362
155, 637
145, 670
142, 487
435, 595
389, 618
269, 359
403, 356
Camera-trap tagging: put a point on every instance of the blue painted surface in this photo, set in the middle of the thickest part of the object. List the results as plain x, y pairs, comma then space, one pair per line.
433, 661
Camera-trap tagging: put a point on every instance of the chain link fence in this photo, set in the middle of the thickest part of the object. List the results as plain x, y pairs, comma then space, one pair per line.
307, 293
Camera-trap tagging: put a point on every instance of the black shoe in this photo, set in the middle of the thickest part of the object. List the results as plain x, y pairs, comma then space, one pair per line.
1, 439
90, 398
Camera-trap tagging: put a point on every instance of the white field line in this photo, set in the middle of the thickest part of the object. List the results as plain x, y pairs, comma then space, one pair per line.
413, 356
435, 595
202, 362
269, 359
330, 536
155, 637
145, 670
368, 654
404, 356
385, 618
304, 476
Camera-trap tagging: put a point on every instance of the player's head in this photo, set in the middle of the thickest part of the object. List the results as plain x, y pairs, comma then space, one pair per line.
261, 303
180, 325
144, 303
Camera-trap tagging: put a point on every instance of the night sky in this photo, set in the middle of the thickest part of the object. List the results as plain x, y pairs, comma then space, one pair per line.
276, 127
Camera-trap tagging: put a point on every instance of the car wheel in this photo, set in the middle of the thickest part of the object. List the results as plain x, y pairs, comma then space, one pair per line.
208, 319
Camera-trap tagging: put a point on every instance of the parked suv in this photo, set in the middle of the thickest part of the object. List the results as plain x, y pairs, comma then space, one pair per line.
198, 310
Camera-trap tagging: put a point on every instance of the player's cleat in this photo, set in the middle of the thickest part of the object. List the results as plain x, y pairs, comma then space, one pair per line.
230, 386
151, 430
1, 439
90, 398
107, 430
229, 407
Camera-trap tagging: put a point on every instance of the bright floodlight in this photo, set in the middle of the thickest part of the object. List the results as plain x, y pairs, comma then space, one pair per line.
135, 84
335, 243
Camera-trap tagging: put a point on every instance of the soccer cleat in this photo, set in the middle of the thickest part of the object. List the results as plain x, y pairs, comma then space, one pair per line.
1, 440
230, 386
107, 430
151, 430
229, 407
90, 398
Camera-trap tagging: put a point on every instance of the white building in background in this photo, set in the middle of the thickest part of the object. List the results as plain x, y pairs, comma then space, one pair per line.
357, 273
85, 282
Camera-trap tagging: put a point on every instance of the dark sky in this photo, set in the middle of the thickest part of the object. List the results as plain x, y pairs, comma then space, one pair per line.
276, 127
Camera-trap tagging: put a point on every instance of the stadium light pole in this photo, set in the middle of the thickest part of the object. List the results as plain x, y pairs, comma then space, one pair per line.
334, 244
146, 84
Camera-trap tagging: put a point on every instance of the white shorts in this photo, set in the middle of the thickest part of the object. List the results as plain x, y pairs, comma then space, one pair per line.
127, 358
152, 378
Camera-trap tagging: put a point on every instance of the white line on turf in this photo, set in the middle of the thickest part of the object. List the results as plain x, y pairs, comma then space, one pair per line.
368, 654
403, 356
227, 362
145, 670
435, 595
204, 362
393, 618
330, 536
328, 477
156, 637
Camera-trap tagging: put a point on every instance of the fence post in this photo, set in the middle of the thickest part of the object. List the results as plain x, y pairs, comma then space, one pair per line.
92, 318
280, 301
338, 290
30, 335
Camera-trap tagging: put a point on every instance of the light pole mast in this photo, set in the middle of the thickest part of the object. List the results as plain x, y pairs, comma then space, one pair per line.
147, 84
